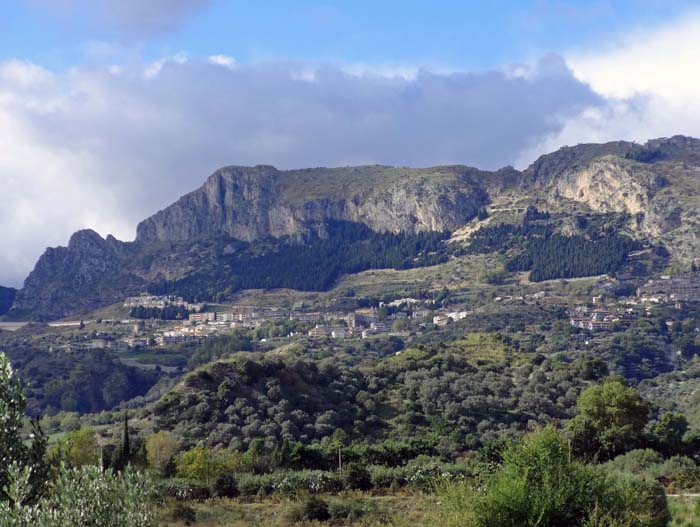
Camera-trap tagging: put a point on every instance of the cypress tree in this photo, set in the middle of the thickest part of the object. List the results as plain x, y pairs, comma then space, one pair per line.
122, 454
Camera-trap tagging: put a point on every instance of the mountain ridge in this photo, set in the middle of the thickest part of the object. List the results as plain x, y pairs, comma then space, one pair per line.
653, 187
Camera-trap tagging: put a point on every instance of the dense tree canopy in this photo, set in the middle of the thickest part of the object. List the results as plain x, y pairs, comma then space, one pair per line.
538, 248
84, 381
614, 415
314, 266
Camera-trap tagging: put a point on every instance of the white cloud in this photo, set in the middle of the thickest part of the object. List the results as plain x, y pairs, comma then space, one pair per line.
222, 60
663, 62
649, 79
128, 19
106, 147
152, 69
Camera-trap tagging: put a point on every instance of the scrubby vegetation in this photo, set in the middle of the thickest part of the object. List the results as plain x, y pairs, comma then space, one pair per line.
464, 393
305, 427
540, 484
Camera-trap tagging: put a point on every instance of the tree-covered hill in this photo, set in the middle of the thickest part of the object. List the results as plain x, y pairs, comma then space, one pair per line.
81, 381
539, 247
234, 401
465, 392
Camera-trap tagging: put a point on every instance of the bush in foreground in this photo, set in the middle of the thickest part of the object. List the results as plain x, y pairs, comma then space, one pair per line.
81, 496
540, 484
312, 508
31, 495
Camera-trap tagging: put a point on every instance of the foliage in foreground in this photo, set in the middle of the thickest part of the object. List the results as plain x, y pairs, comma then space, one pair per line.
540, 484
31, 496
81, 496
14, 452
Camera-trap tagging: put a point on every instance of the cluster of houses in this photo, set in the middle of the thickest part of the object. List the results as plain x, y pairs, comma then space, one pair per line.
181, 334
367, 322
599, 318
363, 322
340, 331
160, 302
668, 289
252, 316
444, 318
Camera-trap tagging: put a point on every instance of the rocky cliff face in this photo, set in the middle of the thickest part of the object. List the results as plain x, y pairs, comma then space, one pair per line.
606, 185
88, 273
253, 203
235, 201
657, 184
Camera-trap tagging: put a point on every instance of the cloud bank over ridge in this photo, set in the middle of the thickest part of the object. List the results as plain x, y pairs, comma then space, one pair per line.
105, 146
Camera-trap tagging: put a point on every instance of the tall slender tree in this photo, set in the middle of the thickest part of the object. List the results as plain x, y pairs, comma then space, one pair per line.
122, 454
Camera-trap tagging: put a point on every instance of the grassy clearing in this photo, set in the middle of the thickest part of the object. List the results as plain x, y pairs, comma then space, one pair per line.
367, 510
685, 511
360, 509
482, 346
457, 273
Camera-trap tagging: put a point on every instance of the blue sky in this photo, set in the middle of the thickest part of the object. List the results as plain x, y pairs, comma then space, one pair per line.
445, 34
112, 109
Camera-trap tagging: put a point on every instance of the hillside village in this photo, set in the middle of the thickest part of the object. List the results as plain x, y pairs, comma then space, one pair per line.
401, 317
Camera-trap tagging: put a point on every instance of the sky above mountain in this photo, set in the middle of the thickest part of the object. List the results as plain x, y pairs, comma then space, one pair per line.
110, 110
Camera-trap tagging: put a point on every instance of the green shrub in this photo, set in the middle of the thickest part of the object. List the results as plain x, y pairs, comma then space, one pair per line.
347, 510
289, 483
207, 465
643, 503
421, 476
683, 472
356, 477
313, 481
388, 477
311, 508
540, 484
225, 486
638, 462
83, 496
256, 484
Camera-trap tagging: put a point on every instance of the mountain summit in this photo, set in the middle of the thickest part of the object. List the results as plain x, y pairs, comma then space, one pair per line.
252, 203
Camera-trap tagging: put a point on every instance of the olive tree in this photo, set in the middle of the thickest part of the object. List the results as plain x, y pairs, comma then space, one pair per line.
612, 417
83, 495
14, 451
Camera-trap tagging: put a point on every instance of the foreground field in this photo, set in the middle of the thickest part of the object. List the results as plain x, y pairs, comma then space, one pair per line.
360, 510
685, 511
349, 509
